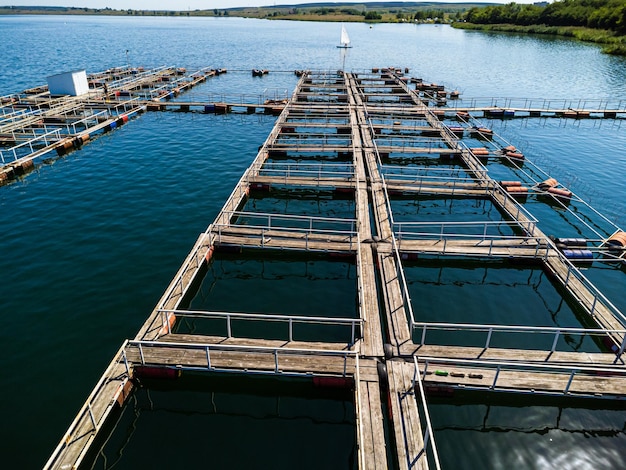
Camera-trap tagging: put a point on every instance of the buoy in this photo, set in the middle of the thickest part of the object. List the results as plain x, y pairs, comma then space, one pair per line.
152, 372
458, 131
578, 242
514, 155
562, 193
577, 254
339, 192
617, 240
516, 189
260, 186
479, 151
333, 382
222, 108
65, 147
549, 183
510, 183
482, 132
209, 254
438, 390
123, 392
170, 321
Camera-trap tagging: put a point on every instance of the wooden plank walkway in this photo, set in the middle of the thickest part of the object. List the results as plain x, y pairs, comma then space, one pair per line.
557, 382
405, 415
370, 422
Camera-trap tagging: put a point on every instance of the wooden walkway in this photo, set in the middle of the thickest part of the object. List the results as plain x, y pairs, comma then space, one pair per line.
347, 115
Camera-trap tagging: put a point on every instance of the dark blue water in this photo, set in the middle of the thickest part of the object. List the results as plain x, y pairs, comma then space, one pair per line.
91, 241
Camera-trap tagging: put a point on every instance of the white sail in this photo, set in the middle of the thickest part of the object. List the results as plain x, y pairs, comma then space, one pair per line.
345, 39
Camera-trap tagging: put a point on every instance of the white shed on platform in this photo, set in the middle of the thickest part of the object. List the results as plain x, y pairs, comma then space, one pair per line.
69, 83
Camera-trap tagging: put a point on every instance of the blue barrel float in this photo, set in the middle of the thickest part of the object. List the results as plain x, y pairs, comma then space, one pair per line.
577, 254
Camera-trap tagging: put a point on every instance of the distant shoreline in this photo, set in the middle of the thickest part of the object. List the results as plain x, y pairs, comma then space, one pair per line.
400, 12
368, 12
611, 44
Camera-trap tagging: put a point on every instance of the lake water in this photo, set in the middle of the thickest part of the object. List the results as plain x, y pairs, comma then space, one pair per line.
90, 242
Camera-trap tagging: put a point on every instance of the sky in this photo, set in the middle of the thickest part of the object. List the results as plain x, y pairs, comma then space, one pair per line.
185, 4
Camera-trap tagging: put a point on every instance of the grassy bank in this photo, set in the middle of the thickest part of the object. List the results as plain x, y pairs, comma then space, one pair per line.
611, 44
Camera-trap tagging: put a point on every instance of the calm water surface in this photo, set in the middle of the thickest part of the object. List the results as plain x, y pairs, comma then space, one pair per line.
91, 241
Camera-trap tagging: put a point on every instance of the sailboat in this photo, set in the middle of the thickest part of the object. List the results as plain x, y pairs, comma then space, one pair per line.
345, 39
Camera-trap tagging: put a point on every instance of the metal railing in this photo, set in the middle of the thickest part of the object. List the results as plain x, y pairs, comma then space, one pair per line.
552, 334
301, 223
429, 436
476, 231
315, 171
596, 298
25, 148
539, 103
418, 172
207, 363
498, 367
289, 320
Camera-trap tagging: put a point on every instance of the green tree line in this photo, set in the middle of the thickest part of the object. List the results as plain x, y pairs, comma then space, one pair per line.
596, 14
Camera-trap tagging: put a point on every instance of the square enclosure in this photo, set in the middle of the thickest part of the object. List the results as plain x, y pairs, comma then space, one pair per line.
481, 292
286, 296
233, 422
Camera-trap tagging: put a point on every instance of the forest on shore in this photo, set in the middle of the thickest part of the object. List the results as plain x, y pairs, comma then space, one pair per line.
599, 21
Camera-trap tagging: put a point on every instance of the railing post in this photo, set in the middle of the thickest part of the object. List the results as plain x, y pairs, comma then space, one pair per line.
426, 438
569, 382
556, 338
621, 348
290, 329
91, 416
229, 329
424, 328
495, 379
208, 357
143, 360
276, 361
488, 338
125, 362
